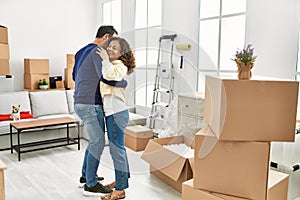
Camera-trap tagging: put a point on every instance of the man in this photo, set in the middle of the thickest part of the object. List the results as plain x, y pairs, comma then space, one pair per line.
88, 106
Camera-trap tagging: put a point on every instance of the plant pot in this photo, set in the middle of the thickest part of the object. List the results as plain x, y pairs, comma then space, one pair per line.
43, 87
244, 70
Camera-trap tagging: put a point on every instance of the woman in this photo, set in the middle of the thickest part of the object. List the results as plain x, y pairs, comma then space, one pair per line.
118, 61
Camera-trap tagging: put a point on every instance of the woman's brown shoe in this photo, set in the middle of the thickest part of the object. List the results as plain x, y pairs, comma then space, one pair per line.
115, 195
111, 185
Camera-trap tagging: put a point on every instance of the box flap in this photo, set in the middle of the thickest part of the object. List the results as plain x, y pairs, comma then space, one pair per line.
162, 159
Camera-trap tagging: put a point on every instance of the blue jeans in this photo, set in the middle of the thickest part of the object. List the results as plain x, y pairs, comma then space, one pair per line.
93, 120
115, 125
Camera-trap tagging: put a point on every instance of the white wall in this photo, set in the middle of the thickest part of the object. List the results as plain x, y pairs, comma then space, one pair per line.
46, 29
272, 28
51, 29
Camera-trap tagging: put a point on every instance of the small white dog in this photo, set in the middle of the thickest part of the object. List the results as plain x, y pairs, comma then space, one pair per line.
15, 114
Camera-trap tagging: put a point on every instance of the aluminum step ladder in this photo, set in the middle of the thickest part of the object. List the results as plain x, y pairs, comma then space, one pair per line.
163, 92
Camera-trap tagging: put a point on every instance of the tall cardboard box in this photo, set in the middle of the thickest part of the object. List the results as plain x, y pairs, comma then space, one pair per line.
170, 167
36, 66
4, 67
4, 51
70, 61
137, 137
3, 35
260, 109
231, 167
69, 83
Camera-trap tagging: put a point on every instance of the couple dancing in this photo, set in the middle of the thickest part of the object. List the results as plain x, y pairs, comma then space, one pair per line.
99, 71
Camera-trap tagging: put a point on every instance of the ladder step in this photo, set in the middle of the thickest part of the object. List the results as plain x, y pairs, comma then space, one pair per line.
162, 104
162, 90
168, 37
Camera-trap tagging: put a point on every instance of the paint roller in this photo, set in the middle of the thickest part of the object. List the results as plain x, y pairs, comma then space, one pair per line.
182, 47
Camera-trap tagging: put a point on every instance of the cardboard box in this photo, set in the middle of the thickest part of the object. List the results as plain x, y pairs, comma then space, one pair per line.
278, 185
137, 137
277, 189
36, 66
4, 67
4, 51
31, 81
2, 180
191, 193
260, 109
69, 83
170, 167
70, 61
60, 84
231, 167
3, 35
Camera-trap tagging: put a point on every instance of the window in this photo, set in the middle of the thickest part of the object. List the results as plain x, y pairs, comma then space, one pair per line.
112, 14
222, 30
147, 32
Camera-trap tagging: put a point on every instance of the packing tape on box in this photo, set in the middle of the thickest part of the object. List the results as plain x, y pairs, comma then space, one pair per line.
183, 46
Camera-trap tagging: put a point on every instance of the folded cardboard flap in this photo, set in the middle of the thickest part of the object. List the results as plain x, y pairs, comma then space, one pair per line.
164, 160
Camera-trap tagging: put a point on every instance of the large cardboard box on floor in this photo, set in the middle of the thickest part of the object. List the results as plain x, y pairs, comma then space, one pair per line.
4, 51
191, 193
277, 189
137, 137
169, 166
3, 35
4, 67
31, 81
278, 185
36, 66
260, 109
231, 167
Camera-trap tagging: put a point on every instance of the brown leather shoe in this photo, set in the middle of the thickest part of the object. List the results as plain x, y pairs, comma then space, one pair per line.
111, 185
115, 195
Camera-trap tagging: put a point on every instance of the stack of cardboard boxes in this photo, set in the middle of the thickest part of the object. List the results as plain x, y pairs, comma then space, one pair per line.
69, 83
35, 70
232, 153
4, 52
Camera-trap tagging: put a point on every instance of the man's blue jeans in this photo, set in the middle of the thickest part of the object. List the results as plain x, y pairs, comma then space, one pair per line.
115, 125
93, 119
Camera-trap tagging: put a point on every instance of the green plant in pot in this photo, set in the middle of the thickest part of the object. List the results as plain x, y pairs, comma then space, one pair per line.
43, 84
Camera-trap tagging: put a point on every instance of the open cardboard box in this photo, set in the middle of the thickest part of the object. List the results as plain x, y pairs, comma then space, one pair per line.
171, 167
260, 109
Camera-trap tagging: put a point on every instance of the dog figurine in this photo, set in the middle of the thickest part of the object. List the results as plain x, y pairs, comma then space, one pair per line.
15, 114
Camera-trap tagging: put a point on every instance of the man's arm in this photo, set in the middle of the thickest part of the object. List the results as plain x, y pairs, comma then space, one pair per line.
121, 84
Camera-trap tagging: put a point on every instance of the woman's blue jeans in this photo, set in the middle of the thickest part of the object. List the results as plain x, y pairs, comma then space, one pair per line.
115, 125
93, 119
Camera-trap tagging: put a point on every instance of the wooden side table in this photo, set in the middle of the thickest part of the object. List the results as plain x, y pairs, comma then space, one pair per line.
2, 188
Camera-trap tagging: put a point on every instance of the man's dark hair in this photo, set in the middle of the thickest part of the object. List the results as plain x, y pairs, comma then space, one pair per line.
106, 30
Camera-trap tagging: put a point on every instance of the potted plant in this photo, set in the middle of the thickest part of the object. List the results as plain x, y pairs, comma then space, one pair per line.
245, 59
43, 84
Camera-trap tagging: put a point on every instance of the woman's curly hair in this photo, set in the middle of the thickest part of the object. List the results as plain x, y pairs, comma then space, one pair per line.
127, 56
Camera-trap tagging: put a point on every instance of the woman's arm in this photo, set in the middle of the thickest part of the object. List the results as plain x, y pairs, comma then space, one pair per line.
112, 71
